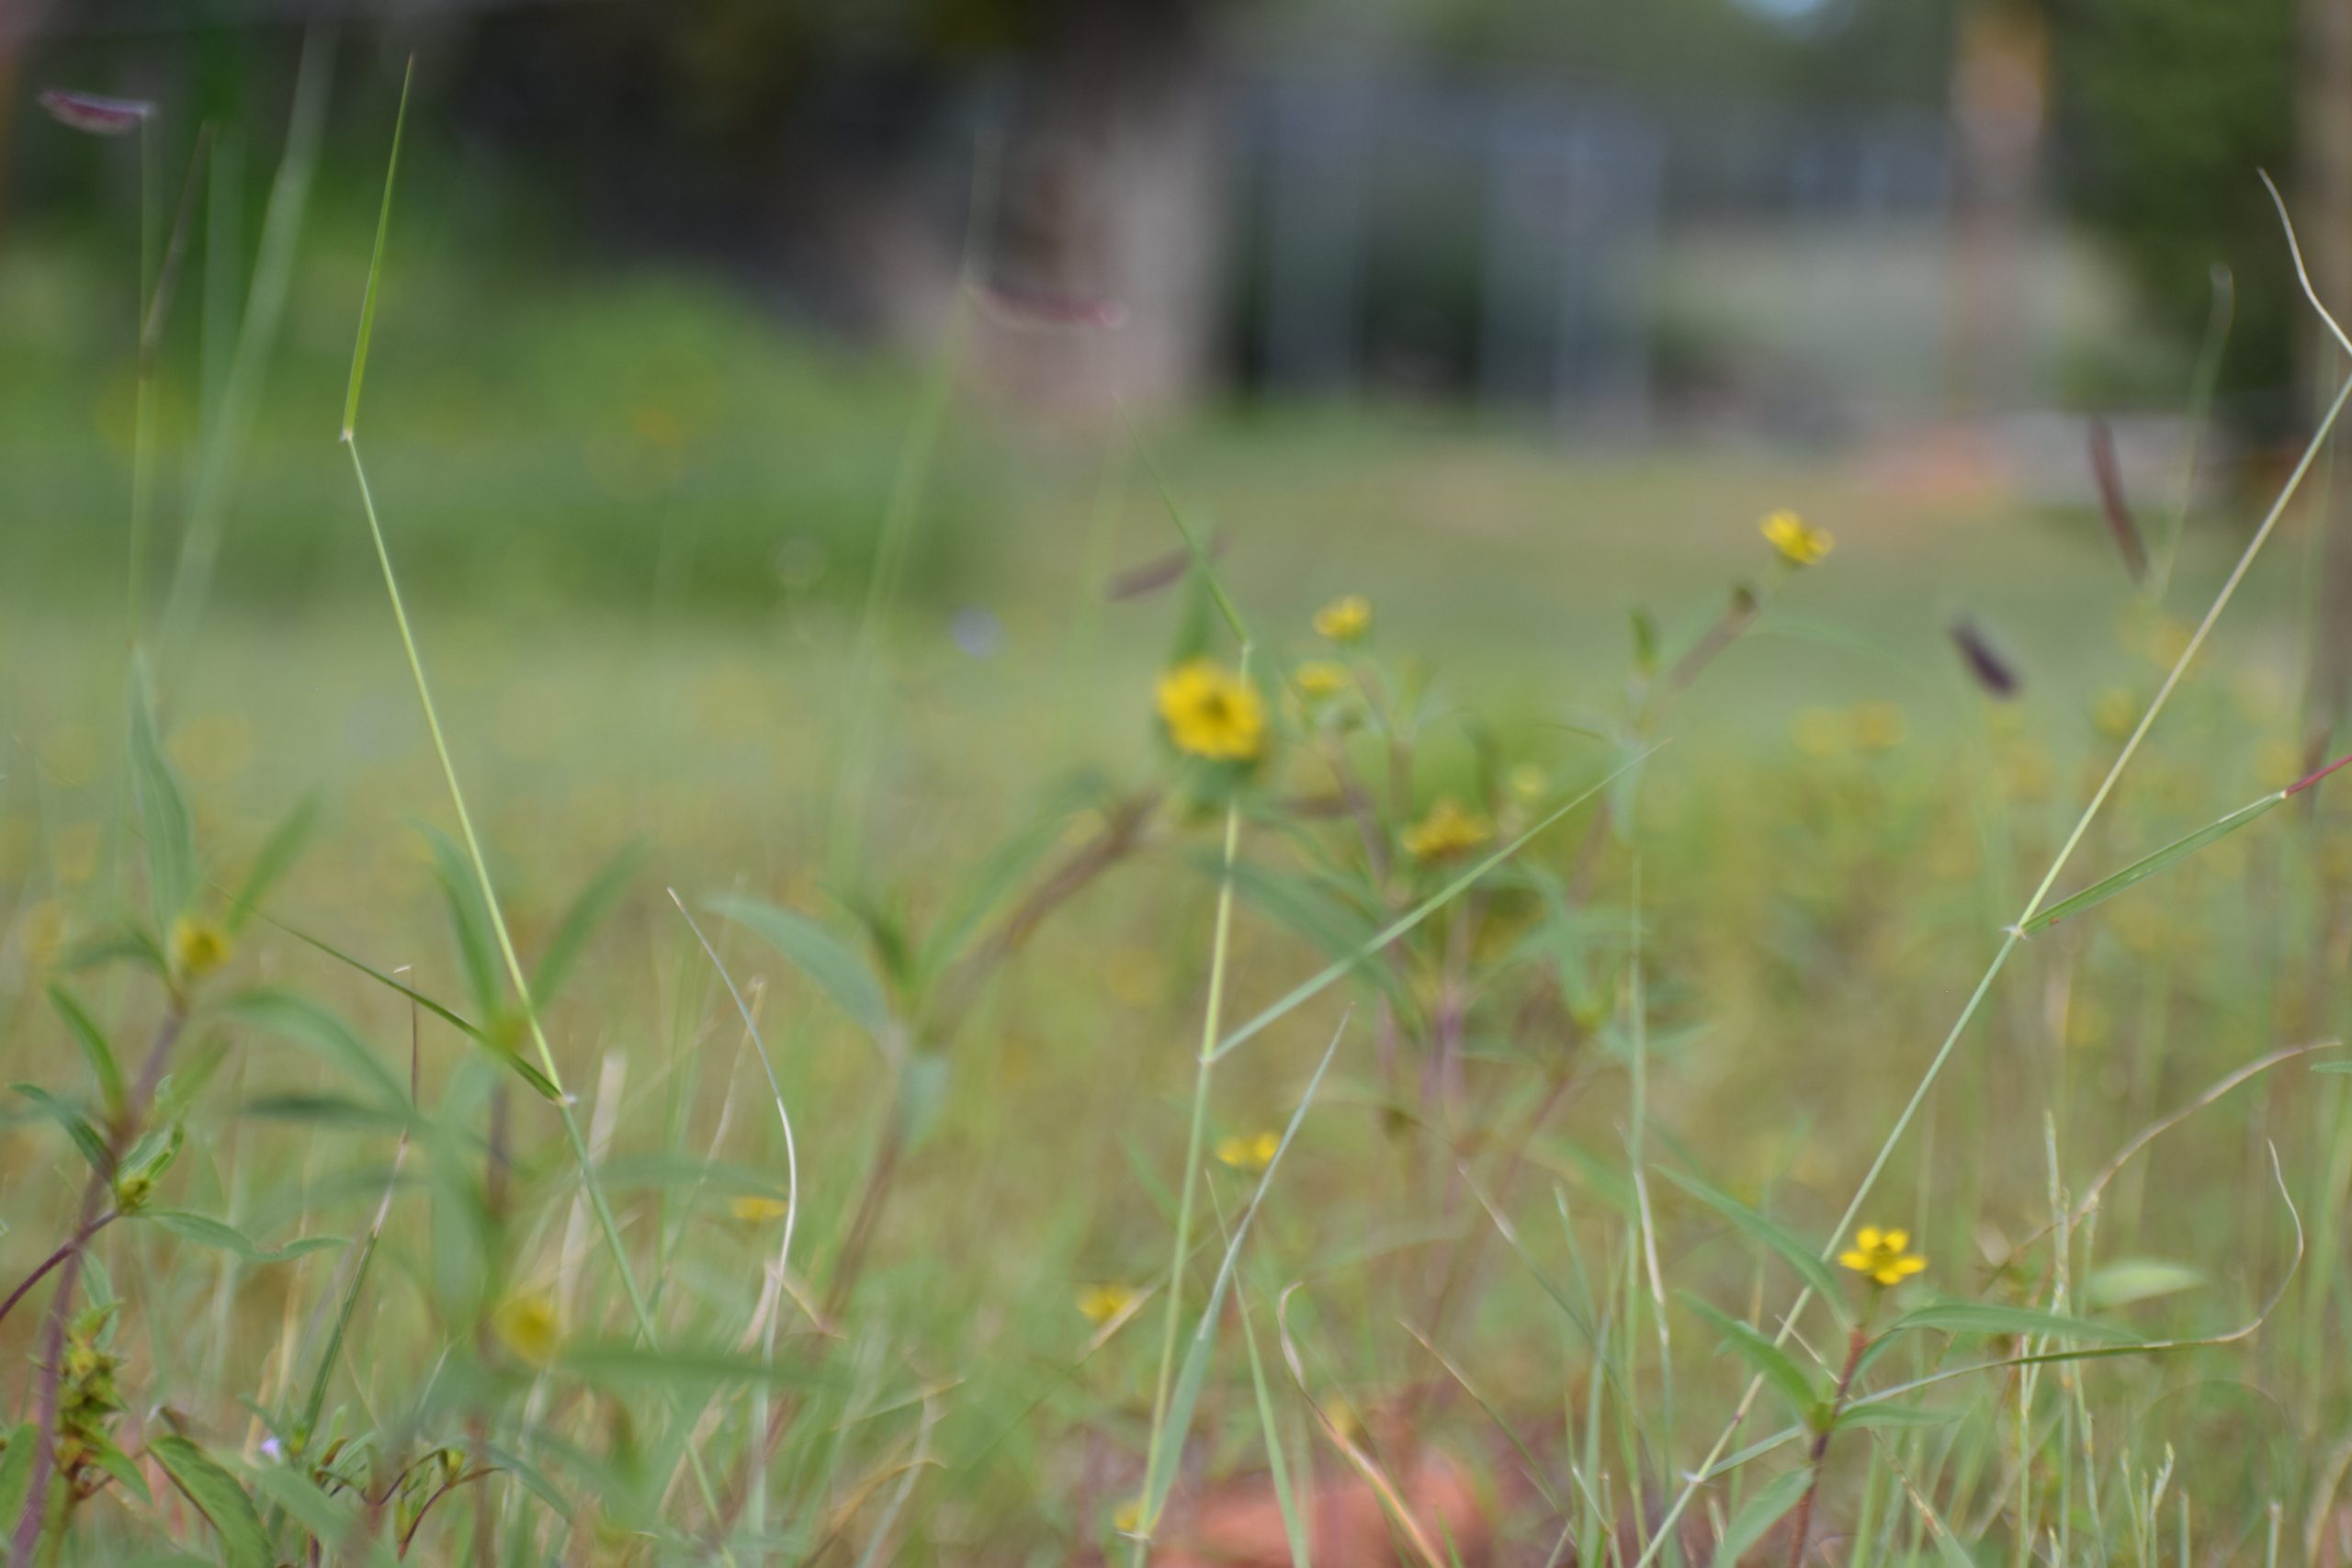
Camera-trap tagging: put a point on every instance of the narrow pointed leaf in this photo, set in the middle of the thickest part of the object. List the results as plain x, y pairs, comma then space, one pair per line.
823, 957
2140, 870
278, 852
219, 1497
306, 1023
1757, 1227
2010, 1321
93, 1042
1759, 1514
77, 1127
588, 911
204, 1231
163, 811
1767, 1359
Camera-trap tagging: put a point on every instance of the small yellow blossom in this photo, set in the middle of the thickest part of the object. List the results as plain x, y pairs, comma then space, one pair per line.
2115, 714
755, 1210
1345, 619
1820, 732
526, 1325
1886, 1256
1128, 1519
1320, 678
1447, 831
1248, 1154
1878, 727
1211, 712
1101, 1303
199, 947
1799, 542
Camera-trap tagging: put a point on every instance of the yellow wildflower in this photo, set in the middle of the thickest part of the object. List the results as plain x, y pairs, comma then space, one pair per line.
1211, 712
1799, 542
1248, 1154
199, 947
1128, 1519
1886, 1256
1877, 727
1320, 678
755, 1210
1101, 1303
2116, 713
526, 1325
1820, 732
1344, 619
1447, 831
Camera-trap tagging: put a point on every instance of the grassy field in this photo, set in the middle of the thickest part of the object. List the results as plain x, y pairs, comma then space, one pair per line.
1576, 1130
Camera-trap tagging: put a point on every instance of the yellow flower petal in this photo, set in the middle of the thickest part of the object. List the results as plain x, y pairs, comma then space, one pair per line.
1896, 1241
1867, 1238
1858, 1262
1211, 712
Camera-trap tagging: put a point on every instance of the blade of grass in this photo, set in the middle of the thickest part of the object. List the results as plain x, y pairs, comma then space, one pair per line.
480, 867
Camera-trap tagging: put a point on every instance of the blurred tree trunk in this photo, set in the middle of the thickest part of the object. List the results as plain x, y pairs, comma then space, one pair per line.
1111, 205
2325, 224
1999, 94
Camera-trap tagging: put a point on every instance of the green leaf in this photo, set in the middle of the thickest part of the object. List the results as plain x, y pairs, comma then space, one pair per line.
95, 1049
331, 1522
588, 911
1764, 1358
988, 885
2010, 1321
2140, 870
1305, 907
376, 264
116, 1464
121, 942
163, 811
2129, 1279
298, 1019
817, 952
1896, 1416
217, 1495
1277, 1464
1800, 1258
470, 926
1314, 985
206, 1231
16, 1472
1759, 1514
77, 1127
278, 852
1645, 627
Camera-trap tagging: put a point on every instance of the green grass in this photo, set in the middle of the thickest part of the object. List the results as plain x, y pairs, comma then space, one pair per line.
1743, 982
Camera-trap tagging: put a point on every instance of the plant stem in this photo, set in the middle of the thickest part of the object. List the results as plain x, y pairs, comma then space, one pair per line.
1855, 1345
1204, 1069
54, 1326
